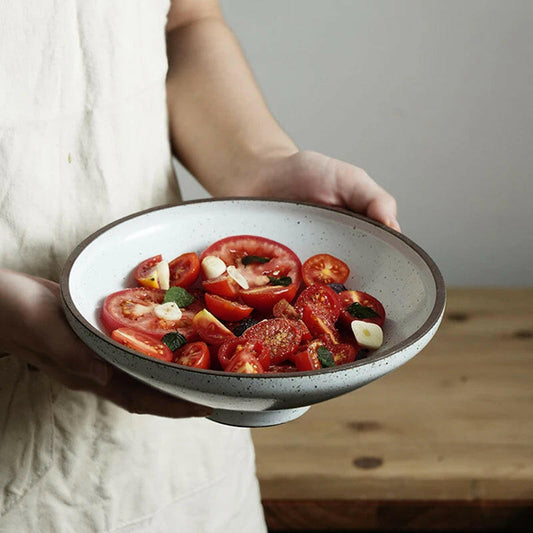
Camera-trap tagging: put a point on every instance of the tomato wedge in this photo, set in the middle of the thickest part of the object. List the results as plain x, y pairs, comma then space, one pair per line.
210, 329
226, 309
307, 359
324, 268
144, 273
263, 263
222, 286
283, 309
193, 354
346, 298
142, 343
321, 297
280, 337
320, 324
184, 270
134, 308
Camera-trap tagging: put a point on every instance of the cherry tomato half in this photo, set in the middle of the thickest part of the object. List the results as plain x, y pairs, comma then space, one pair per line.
245, 363
324, 268
145, 274
142, 343
184, 270
194, 354
347, 298
322, 297
134, 308
230, 348
226, 309
283, 309
279, 335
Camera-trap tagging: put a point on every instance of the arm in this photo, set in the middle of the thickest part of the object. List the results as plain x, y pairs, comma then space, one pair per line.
224, 134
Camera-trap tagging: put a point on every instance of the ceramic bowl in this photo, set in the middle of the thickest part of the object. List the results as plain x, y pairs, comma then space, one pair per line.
383, 263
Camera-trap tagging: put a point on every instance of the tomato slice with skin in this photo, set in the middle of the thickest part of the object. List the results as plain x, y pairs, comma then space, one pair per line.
320, 324
144, 273
307, 359
142, 343
226, 309
223, 286
184, 270
210, 329
283, 309
193, 354
230, 348
134, 308
279, 335
324, 268
245, 363
321, 297
346, 298
281, 262
343, 353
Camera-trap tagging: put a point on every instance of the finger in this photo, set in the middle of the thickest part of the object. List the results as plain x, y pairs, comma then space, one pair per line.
383, 208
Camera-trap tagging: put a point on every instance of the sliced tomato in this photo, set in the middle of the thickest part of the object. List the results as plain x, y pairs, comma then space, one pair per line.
245, 363
321, 297
347, 298
283, 309
210, 329
320, 324
145, 272
279, 335
343, 353
184, 270
226, 309
134, 308
324, 268
264, 298
230, 348
194, 354
223, 286
306, 360
142, 343
258, 260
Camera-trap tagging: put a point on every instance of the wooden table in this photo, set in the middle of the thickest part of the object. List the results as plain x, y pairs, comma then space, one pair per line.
443, 443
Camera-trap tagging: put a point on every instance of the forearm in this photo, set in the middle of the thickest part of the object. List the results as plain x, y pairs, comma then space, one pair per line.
221, 128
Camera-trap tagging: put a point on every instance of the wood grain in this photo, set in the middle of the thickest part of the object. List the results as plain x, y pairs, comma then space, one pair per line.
455, 424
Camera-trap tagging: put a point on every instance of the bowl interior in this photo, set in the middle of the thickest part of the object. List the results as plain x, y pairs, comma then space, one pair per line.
382, 263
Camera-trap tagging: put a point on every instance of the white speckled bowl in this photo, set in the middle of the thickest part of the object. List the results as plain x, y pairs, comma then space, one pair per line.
383, 263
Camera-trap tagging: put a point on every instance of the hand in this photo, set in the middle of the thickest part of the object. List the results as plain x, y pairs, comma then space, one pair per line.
313, 177
33, 327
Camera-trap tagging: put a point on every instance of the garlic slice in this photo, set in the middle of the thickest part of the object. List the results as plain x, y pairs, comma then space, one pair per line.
235, 275
213, 266
163, 275
168, 311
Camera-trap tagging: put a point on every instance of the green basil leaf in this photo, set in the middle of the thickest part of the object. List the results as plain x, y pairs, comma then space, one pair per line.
179, 296
174, 340
360, 311
325, 357
284, 281
249, 259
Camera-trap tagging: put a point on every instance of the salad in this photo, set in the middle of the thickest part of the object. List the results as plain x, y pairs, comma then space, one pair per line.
246, 304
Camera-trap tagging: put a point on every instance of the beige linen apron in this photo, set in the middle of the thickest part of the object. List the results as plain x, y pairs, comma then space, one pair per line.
83, 141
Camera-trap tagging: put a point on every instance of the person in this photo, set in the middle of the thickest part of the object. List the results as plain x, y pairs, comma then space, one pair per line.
89, 94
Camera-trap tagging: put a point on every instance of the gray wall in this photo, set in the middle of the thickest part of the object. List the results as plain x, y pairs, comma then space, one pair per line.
432, 98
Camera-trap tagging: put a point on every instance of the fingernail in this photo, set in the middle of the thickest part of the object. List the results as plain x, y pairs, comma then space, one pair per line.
101, 371
393, 223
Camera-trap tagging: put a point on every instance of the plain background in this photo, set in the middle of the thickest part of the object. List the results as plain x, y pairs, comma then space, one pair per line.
432, 98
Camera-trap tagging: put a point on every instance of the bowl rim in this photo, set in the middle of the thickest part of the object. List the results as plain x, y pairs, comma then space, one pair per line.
432, 320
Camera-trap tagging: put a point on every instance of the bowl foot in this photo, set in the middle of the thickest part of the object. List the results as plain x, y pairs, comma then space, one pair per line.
256, 419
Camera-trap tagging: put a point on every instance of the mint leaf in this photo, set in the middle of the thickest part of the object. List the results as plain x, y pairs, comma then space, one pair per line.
360, 311
284, 281
325, 357
174, 340
249, 259
179, 296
